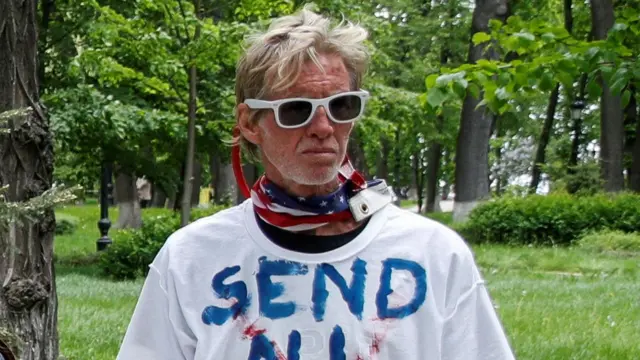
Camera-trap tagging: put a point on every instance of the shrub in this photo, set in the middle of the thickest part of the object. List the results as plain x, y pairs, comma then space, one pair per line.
609, 240
133, 250
557, 219
66, 224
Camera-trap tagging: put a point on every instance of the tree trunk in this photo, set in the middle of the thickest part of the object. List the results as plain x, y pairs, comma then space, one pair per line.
382, 166
197, 183
499, 172
634, 171
472, 160
129, 214
48, 7
356, 154
611, 119
418, 178
576, 128
185, 208
433, 178
545, 136
28, 298
250, 172
223, 180
397, 180
435, 150
185, 205
159, 197
630, 118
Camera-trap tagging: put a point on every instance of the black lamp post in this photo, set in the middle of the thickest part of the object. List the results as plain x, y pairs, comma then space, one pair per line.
104, 224
576, 115
576, 109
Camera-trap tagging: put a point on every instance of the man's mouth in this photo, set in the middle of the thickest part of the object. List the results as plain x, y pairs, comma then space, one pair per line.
319, 151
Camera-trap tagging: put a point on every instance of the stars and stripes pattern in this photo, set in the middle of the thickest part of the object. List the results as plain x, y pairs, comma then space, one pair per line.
280, 209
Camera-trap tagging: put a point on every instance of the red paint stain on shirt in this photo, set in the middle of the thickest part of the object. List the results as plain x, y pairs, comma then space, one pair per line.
252, 331
374, 348
279, 354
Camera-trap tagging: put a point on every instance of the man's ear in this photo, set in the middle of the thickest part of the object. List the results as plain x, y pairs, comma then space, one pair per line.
250, 131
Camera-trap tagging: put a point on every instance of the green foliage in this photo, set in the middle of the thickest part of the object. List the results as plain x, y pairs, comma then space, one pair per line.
534, 56
66, 224
32, 209
120, 89
133, 250
556, 219
609, 240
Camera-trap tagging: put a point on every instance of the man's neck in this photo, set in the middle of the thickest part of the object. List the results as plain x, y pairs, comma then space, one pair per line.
299, 190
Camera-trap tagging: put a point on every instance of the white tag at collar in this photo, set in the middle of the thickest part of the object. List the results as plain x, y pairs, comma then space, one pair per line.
368, 201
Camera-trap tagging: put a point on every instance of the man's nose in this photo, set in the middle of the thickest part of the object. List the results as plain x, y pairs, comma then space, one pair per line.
320, 126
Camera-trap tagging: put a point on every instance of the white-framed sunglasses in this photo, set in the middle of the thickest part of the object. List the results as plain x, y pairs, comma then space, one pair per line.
293, 113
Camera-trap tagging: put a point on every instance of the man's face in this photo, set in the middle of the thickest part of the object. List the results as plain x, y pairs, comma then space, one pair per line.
310, 155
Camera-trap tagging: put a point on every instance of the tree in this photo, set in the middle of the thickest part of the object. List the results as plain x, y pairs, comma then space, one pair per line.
472, 161
634, 146
187, 181
547, 128
611, 120
28, 300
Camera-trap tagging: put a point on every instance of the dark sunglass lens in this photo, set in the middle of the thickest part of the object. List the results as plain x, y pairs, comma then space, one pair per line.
294, 113
345, 108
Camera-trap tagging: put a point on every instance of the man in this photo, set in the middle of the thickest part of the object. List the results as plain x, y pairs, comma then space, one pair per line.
317, 264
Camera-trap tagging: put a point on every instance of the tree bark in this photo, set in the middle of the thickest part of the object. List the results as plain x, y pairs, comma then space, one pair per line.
433, 178
185, 208
48, 7
630, 118
28, 298
545, 136
159, 197
223, 180
472, 160
356, 154
611, 119
634, 170
382, 166
197, 183
250, 172
397, 179
435, 151
129, 214
418, 177
576, 129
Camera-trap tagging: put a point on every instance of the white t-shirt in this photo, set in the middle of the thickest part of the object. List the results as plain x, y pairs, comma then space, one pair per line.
405, 288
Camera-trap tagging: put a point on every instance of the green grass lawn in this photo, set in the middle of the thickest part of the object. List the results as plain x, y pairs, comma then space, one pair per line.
555, 303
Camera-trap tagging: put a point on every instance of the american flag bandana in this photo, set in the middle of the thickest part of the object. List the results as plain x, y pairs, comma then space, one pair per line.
279, 209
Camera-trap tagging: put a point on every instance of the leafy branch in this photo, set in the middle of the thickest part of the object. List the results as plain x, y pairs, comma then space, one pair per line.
35, 207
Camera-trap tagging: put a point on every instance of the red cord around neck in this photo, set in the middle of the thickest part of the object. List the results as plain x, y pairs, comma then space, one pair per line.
236, 162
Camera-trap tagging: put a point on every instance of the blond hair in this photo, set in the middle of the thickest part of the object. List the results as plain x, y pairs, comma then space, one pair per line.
274, 60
